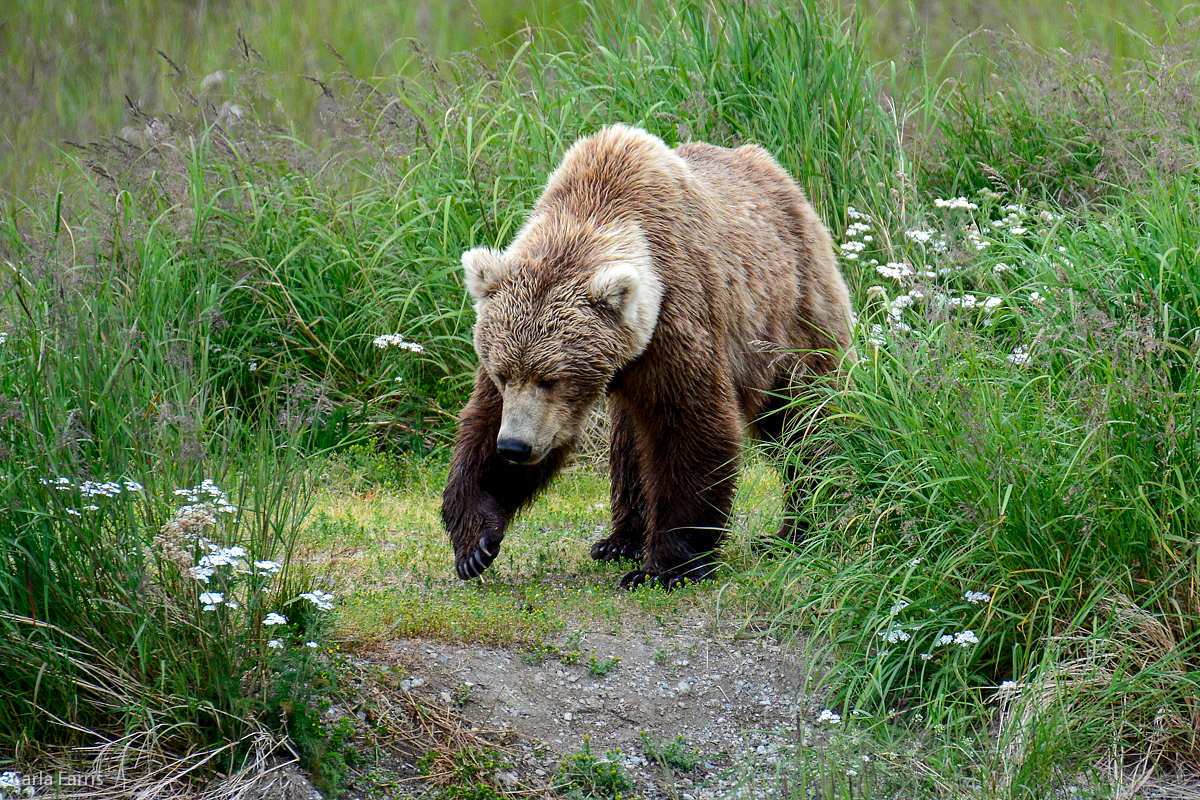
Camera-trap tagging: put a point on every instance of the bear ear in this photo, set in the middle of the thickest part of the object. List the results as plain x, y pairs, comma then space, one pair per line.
617, 286
482, 270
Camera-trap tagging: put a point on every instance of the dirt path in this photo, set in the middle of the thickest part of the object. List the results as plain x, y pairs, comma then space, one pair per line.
724, 696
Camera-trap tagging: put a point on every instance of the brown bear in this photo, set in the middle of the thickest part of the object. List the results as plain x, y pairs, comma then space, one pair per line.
695, 288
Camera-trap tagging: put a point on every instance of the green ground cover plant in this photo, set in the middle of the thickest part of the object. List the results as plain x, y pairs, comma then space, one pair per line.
237, 305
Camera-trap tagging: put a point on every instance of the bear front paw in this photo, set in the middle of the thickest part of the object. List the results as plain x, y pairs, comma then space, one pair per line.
668, 582
474, 565
609, 550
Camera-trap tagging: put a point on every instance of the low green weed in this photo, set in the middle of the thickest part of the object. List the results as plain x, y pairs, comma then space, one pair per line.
586, 775
598, 668
673, 753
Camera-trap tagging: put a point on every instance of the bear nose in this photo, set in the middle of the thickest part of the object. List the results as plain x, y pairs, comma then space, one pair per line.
514, 450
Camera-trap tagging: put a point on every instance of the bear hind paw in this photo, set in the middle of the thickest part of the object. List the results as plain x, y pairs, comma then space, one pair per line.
668, 582
610, 550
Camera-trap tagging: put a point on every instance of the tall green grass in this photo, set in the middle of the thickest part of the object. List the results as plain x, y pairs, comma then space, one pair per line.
80, 72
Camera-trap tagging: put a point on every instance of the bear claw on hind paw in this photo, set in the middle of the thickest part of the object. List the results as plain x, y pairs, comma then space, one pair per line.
605, 550
636, 578
472, 567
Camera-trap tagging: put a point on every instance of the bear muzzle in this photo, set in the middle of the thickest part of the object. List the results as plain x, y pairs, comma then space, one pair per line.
529, 425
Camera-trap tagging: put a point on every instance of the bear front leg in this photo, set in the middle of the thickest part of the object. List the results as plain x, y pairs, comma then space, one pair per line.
628, 518
689, 469
485, 490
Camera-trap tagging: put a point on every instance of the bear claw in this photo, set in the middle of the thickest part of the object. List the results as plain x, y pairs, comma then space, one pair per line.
634, 579
473, 566
606, 550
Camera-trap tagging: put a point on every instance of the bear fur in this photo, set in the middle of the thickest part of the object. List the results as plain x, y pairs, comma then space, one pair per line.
697, 290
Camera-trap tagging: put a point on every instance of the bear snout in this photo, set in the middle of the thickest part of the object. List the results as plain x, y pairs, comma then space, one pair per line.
515, 450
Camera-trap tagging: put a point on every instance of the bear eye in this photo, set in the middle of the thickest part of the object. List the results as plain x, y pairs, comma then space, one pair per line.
501, 379
546, 386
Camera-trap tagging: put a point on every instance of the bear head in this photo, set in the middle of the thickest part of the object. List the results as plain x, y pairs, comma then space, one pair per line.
558, 313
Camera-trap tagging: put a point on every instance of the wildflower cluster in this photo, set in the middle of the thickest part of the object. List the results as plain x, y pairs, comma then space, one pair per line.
223, 577
929, 274
90, 490
396, 340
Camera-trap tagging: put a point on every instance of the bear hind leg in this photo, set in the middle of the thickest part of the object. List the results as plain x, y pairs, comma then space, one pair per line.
689, 498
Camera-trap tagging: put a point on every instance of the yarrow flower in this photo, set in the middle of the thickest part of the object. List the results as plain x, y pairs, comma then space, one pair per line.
313, 645
267, 567
275, 644
919, 235
321, 600
211, 600
396, 340
898, 607
894, 635
896, 270
1019, 356
274, 618
962, 639
956, 202
201, 573
830, 717
975, 598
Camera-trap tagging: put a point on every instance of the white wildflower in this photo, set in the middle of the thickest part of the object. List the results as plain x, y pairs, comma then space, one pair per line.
919, 235
956, 202
133, 486
876, 337
854, 213
1019, 356
894, 635
899, 606
896, 270
830, 717
915, 562
856, 228
1018, 230
211, 600
396, 340
975, 598
926, 656
992, 303
201, 573
274, 618
313, 645
267, 567
322, 600
275, 644
966, 638
944, 640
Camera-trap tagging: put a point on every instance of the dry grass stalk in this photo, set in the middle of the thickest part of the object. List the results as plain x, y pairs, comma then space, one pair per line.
1110, 680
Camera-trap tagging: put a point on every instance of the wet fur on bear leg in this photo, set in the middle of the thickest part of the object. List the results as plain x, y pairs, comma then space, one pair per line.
688, 481
626, 495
